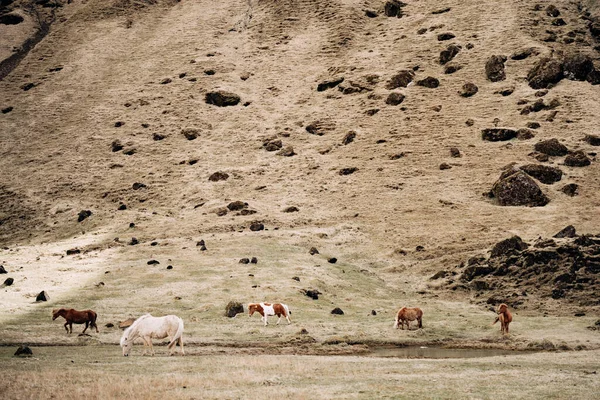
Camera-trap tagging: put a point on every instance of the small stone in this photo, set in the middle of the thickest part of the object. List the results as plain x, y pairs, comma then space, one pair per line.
455, 152
543, 173
570, 189
237, 205
256, 226
71, 252
254, 260
158, 136
448, 54
190, 133
429, 82
551, 147
8, 282
452, 68
6, 110
165, 81
296, 278
153, 262
494, 68
498, 134
577, 159
444, 166
222, 98
24, 351
287, 151
119, 124
525, 134
337, 311
593, 140
445, 36
566, 232
244, 261
291, 209
83, 214
518, 189
395, 99
332, 260
218, 176
138, 186
2, 270
533, 125
373, 312
313, 251
552, 11
329, 84
349, 138
133, 241
116, 146
469, 89
348, 171
469, 122
42, 296
393, 8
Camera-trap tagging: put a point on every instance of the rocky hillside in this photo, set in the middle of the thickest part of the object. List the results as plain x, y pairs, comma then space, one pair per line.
413, 135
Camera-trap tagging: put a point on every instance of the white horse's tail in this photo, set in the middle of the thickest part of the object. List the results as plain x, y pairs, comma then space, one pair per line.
178, 334
287, 310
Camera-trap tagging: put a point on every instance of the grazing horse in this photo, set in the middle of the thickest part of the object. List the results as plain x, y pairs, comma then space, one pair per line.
87, 317
266, 309
505, 318
408, 314
148, 327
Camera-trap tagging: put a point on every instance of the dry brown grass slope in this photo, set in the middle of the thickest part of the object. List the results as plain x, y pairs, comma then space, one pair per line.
56, 158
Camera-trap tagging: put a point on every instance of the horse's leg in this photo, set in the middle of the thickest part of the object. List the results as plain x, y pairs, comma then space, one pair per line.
66, 327
151, 348
86, 326
181, 345
266, 322
288, 319
279, 320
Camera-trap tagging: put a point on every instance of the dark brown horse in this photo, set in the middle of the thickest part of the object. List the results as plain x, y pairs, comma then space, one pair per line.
87, 317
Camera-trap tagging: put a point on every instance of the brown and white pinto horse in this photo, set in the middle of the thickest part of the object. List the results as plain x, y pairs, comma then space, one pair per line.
408, 314
87, 317
505, 318
266, 309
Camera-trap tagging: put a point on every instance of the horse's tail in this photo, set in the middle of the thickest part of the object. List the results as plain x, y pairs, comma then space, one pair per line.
177, 335
92, 317
397, 320
496, 320
287, 310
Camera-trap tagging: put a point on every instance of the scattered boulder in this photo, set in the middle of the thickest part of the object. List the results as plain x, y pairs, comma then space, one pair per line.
401, 79
237, 205
244, 261
551, 147
313, 251
448, 54
394, 99
452, 68
570, 189
429, 82
190, 133
24, 351
524, 53
371, 13
498, 134
518, 189
116, 146
393, 8
494, 68
577, 66
455, 152
291, 209
546, 73
321, 127
566, 232
222, 98
71, 252
256, 226
233, 308
6, 110
2, 270
348, 171
349, 138
525, 134
332, 260
577, 159
312, 293
157, 136
445, 36
543, 173
42, 296
508, 246
533, 125
165, 81
83, 214
330, 84
8, 282
593, 140
153, 262
272, 145
218, 176
469, 89
127, 323
552, 11
133, 241
254, 260
138, 186
337, 311
202, 245
444, 166
287, 151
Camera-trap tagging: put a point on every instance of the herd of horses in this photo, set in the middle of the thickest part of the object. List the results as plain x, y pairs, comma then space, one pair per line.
148, 327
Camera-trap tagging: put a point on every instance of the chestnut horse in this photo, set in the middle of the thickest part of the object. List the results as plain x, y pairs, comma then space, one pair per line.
505, 318
87, 317
266, 309
408, 314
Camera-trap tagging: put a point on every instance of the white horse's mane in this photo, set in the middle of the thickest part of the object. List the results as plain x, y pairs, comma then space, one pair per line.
127, 334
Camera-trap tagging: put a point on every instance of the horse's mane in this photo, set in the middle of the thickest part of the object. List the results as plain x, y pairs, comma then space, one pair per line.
132, 328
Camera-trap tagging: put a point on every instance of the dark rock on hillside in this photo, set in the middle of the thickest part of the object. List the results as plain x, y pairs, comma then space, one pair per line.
254, 260
444, 166
329, 84
429, 82
71, 252
401, 79
222, 98
455, 152
134, 241
452, 68
570, 189
593, 140
498, 134
533, 125
469, 89
244, 261
523, 54
257, 226
371, 13
233, 308
349, 138
546, 73
138, 186
83, 214
441, 11
23, 351
2, 270
525, 134
8, 282
42, 296
494, 68
337, 311
445, 36
287, 151
543, 173
552, 11
319, 128
153, 262
6, 110
218, 176
551, 147
393, 8
190, 133
518, 189
394, 99
312, 293
348, 171
577, 159
508, 246
313, 251
577, 66
157, 136
237, 205
566, 232
291, 209
448, 54
332, 260
116, 146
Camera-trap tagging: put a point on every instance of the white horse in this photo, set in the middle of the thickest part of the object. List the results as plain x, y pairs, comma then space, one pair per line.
148, 327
